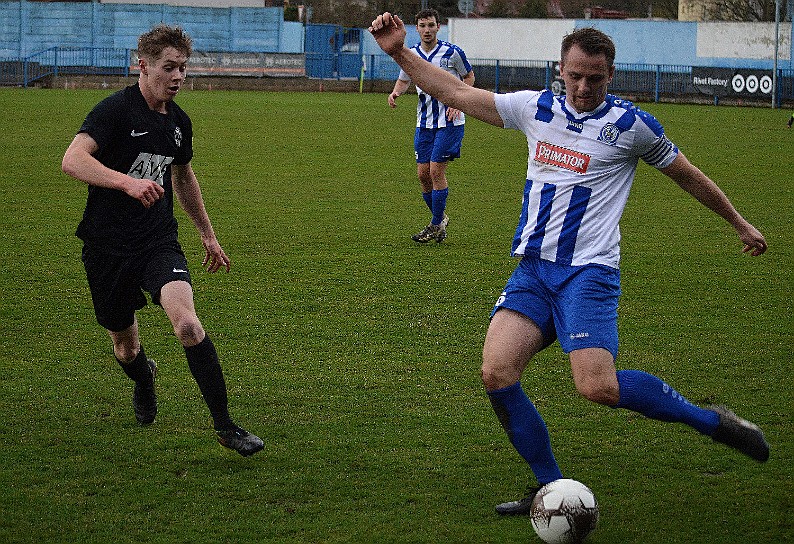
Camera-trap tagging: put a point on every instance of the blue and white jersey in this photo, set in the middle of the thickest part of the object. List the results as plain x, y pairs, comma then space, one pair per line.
579, 172
430, 113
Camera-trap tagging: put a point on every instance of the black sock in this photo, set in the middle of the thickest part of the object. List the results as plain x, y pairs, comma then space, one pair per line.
203, 362
138, 370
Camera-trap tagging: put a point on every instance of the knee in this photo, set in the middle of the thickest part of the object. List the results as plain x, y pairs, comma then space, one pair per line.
438, 176
601, 391
125, 352
489, 379
189, 331
494, 378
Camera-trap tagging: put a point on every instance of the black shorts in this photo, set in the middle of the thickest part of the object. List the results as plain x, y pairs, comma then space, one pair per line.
117, 282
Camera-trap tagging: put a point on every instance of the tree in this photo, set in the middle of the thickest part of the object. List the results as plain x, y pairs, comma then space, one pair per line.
446, 8
738, 10
406, 9
348, 13
664, 9
499, 9
359, 13
290, 12
533, 9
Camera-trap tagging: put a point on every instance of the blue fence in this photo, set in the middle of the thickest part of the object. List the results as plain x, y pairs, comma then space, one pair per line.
27, 27
656, 82
57, 61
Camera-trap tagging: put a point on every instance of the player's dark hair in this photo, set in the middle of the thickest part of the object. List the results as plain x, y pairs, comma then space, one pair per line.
151, 44
427, 14
591, 41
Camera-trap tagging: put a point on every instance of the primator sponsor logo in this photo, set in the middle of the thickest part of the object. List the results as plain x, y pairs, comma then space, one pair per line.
559, 156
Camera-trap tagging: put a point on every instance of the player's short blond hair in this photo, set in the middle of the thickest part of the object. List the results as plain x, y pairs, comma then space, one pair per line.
151, 44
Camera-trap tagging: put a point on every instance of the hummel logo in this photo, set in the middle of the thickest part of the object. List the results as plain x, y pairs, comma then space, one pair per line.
136, 134
179, 270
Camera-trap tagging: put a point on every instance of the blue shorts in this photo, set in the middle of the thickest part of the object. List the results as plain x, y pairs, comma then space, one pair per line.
438, 144
577, 305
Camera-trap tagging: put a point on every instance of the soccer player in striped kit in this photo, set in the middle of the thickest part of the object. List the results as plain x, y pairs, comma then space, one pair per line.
439, 129
583, 153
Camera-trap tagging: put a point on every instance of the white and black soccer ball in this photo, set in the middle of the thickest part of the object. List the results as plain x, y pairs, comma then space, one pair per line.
564, 511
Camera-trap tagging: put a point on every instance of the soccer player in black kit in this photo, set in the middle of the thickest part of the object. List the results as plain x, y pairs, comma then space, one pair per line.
134, 151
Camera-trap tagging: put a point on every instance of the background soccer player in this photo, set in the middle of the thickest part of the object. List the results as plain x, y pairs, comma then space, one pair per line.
134, 151
583, 153
439, 129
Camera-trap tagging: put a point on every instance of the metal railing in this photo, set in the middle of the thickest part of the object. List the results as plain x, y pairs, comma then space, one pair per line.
57, 61
649, 81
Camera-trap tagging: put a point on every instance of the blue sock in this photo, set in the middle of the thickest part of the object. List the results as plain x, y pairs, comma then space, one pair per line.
428, 197
526, 430
651, 397
439, 198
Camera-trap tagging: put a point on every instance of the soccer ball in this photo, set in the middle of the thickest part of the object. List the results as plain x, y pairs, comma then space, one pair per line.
564, 512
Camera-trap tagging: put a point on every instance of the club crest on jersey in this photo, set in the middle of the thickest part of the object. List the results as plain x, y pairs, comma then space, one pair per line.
178, 136
609, 134
561, 157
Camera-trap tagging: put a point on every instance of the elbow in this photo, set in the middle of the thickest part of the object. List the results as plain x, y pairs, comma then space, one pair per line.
67, 165
72, 161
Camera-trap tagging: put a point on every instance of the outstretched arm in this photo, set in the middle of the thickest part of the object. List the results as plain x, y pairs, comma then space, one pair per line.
187, 191
700, 186
389, 31
453, 113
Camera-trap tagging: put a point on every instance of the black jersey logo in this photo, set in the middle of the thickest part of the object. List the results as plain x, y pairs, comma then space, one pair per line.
178, 136
150, 166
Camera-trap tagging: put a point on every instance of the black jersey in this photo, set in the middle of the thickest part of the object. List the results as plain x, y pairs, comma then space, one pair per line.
143, 144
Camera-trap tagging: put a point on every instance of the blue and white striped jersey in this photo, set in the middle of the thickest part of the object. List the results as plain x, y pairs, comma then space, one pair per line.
579, 172
430, 113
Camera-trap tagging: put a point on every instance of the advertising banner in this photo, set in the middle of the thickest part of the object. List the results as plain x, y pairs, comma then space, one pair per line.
736, 82
204, 63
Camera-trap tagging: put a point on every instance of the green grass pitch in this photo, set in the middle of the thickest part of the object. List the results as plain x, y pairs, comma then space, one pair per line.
355, 353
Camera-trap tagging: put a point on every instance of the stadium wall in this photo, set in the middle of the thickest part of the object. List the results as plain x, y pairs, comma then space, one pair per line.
713, 44
29, 27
